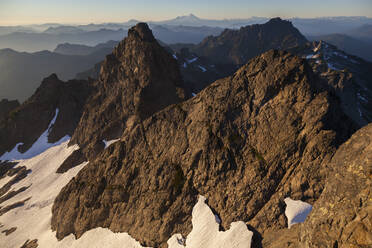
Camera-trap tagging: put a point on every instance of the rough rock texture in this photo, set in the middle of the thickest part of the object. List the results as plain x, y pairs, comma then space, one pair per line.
349, 75
30, 244
27, 122
245, 142
138, 79
9, 231
6, 107
76, 158
238, 46
342, 217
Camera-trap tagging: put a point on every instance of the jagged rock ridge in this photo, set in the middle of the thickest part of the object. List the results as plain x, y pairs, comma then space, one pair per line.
27, 122
245, 142
138, 79
347, 74
238, 46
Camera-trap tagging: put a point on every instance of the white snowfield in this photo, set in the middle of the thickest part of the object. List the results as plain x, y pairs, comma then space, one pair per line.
296, 211
205, 231
38, 147
33, 219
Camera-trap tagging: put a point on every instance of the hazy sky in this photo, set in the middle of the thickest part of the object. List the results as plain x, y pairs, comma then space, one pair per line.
14, 12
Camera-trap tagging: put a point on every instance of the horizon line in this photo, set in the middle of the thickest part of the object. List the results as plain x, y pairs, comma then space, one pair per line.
164, 20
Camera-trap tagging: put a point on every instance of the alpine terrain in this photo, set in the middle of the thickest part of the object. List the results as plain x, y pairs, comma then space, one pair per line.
253, 138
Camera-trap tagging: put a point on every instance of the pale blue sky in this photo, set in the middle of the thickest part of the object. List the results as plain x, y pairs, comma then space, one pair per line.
14, 12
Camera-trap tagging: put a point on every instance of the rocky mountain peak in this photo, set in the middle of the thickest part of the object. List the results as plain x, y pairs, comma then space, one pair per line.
138, 79
19, 126
277, 20
245, 142
141, 31
238, 46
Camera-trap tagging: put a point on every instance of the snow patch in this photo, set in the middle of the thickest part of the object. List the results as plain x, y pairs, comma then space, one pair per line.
202, 68
362, 98
184, 65
40, 145
193, 94
296, 211
340, 55
192, 60
309, 56
206, 234
175, 56
360, 112
332, 67
109, 142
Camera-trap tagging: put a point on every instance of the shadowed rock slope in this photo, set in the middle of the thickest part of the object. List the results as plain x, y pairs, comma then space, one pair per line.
138, 79
245, 142
238, 46
6, 106
28, 121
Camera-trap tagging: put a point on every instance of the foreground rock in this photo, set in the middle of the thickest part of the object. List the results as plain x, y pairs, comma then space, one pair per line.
342, 217
27, 122
138, 79
245, 142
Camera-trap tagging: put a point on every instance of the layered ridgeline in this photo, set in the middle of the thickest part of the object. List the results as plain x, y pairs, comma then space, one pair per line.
22, 127
238, 46
21, 70
347, 74
220, 56
138, 79
246, 142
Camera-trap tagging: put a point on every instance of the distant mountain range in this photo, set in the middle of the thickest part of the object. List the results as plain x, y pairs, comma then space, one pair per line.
182, 29
219, 52
22, 72
89, 35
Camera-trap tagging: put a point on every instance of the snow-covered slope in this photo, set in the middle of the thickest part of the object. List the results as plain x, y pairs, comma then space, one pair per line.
32, 220
38, 147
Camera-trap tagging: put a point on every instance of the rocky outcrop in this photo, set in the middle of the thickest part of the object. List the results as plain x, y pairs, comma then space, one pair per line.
245, 142
138, 79
348, 75
27, 122
342, 217
6, 107
238, 46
